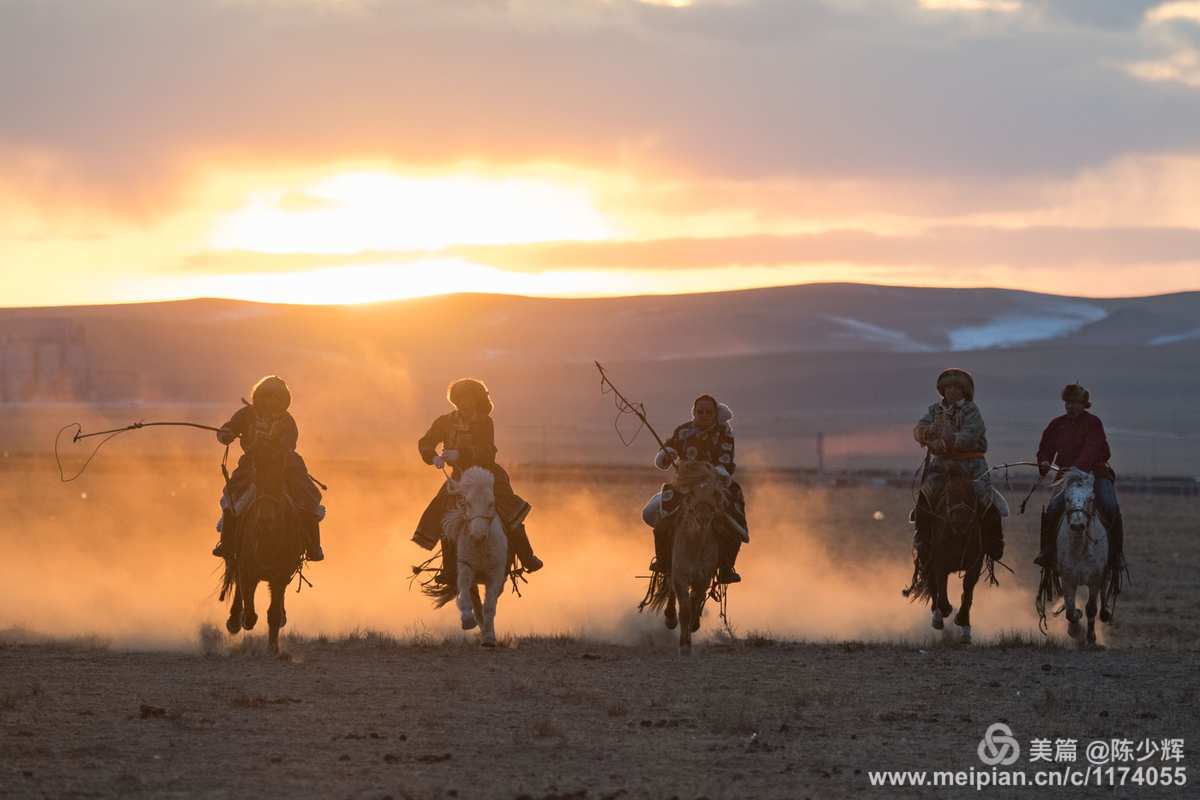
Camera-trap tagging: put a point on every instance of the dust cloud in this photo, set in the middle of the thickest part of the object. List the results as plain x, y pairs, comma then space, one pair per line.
123, 554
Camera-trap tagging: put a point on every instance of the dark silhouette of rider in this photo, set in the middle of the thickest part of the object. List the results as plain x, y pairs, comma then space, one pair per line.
265, 424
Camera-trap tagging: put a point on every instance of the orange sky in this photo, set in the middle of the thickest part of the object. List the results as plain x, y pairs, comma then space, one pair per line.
323, 151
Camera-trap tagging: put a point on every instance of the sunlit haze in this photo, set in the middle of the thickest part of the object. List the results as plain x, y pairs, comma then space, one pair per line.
593, 147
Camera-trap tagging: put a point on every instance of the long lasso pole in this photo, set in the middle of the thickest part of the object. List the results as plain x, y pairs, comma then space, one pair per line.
637, 409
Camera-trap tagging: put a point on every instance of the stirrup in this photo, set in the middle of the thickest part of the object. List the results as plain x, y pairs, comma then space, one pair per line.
728, 575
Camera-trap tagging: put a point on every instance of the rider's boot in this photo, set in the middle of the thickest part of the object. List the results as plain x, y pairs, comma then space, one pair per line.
518, 539
1046, 558
448, 575
663, 539
313, 551
728, 546
224, 548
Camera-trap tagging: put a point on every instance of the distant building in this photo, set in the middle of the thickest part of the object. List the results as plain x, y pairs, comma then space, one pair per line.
43, 359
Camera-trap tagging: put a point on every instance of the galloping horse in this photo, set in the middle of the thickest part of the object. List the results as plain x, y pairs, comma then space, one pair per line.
956, 546
704, 498
269, 547
1082, 549
483, 556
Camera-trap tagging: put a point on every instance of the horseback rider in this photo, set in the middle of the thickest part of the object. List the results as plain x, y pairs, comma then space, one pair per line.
955, 438
468, 439
1076, 439
707, 437
265, 426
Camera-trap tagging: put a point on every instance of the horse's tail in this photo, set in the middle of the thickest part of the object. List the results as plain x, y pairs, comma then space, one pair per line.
1111, 587
440, 593
1049, 589
228, 578
920, 586
657, 592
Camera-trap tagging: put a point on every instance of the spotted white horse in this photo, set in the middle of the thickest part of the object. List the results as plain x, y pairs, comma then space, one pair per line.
1082, 548
483, 556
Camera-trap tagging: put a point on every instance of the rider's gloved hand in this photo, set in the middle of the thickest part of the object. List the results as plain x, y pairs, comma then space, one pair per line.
439, 462
450, 456
226, 436
724, 473
1043, 468
665, 457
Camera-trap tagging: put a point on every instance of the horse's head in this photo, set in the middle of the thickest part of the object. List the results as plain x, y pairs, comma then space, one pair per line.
703, 490
475, 498
962, 503
1080, 497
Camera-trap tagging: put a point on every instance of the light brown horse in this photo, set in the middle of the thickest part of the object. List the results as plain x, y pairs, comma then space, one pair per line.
694, 554
269, 547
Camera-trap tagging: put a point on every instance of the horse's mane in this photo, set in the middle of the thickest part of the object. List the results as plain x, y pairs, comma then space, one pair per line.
691, 474
473, 477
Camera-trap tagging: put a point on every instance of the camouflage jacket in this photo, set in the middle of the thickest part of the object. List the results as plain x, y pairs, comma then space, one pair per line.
962, 423
714, 445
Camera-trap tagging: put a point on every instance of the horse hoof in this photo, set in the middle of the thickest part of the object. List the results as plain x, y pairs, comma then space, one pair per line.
961, 621
965, 634
672, 623
468, 624
489, 640
938, 623
249, 622
1105, 615
233, 625
695, 626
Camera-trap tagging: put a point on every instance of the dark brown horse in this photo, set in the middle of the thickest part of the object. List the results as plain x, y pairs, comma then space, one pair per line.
269, 547
955, 516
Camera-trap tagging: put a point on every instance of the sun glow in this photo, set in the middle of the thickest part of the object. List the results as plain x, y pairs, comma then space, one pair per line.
359, 211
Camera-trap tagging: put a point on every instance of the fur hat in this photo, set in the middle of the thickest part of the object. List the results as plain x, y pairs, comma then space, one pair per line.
959, 376
464, 388
1074, 393
272, 394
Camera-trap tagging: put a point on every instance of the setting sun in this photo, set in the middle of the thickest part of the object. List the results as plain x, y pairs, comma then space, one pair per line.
360, 211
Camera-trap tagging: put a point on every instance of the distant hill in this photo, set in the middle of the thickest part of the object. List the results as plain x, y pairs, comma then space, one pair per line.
854, 362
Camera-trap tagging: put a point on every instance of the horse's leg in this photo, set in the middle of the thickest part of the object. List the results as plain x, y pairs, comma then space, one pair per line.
276, 616
684, 598
476, 605
1093, 592
234, 623
466, 583
1073, 614
937, 598
699, 595
963, 618
249, 615
669, 614
494, 589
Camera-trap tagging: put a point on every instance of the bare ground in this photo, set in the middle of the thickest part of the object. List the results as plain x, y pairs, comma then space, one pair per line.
375, 717
852, 679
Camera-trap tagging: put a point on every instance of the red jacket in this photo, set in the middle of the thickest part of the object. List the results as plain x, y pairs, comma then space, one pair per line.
1078, 442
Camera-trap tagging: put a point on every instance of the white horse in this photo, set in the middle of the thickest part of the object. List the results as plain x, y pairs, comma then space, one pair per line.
482, 550
1082, 546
